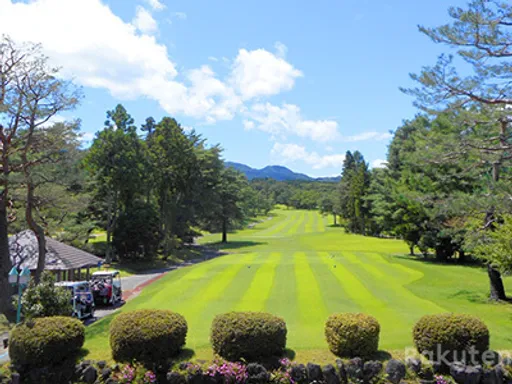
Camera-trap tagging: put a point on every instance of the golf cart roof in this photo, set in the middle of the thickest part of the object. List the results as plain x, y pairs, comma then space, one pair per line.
71, 283
105, 273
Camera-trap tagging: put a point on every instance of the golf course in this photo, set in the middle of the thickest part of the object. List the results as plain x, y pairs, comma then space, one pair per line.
299, 266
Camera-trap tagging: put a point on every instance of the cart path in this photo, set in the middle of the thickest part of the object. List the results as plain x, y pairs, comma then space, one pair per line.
132, 286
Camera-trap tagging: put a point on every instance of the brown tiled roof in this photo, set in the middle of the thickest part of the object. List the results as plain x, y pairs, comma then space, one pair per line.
59, 256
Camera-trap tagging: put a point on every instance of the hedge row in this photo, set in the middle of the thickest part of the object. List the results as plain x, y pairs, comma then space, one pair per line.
156, 336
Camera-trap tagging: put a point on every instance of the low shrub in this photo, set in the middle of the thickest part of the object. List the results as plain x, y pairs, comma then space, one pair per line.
452, 336
352, 334
248, 335
147, 336
45, 341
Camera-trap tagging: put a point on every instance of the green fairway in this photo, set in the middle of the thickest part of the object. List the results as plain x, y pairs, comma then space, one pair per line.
298, 266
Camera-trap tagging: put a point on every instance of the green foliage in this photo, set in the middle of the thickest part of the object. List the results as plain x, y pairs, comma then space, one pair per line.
137, 234
353, 190
45, 299
45, 341
352, 335
248, 335
149, 336
298, 194
4, 323
450, 335
492, 246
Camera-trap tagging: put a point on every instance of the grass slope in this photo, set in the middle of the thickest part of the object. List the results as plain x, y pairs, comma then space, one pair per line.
298, 266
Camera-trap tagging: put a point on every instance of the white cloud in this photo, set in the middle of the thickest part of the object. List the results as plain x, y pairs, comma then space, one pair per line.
379, 163
100, 50
54, 120
156, 5
213, 58
293, 152
180, 15
287, 119
261, 73
281, 49
248, 124
144, 22
86, 137
378, 136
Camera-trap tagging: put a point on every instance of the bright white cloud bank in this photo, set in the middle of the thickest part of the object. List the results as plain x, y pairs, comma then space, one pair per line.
261, 73
289, 153
293, 152
98, 49
156, 4
287, 119
144, 22
379, 163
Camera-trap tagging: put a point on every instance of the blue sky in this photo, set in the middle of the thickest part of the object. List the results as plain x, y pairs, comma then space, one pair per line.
296, 83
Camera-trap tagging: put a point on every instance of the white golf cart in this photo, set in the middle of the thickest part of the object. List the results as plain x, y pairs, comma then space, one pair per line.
106, 287
81, 298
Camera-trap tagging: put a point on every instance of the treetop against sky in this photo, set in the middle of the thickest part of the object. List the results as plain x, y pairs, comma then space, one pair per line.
295, 83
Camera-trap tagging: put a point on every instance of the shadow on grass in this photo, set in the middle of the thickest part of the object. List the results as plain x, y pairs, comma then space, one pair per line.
82, 354
382, 356
289, 354
234, 244
471, 296
334, 226
431, 259
185, 355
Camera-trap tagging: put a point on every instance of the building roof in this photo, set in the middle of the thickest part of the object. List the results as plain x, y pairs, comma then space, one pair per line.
59, 256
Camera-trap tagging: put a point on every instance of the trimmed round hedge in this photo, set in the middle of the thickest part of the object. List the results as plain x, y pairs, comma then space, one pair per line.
450, 335
248, 335
147, 336
46, 341
352, 334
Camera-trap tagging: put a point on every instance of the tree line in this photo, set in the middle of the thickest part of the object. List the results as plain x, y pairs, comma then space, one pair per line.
446, 187
151, 187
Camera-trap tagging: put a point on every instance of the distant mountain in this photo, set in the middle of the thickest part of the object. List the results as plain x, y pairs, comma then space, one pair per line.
276, 172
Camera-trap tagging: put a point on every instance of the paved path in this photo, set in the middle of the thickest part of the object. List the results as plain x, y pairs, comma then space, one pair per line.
132, 286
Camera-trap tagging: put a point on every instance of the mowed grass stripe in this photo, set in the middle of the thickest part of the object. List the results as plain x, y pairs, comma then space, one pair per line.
216, 286
321, 220
392, 324
391, 290
281, 301
280, 227
221, 297
297, 224
184, 284
258, 293
406, 275
310, 223
335, 296
291, 222
309, 300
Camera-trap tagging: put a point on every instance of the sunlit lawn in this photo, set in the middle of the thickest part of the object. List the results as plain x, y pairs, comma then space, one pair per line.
298, 266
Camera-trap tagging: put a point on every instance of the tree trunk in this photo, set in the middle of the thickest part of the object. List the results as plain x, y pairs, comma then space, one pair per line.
462, 257
497, 288
334, 219
224, 230
5, 260
111, 222
411, 249
38, 231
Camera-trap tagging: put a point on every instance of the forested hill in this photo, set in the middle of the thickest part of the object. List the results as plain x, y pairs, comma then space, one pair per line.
275, 172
